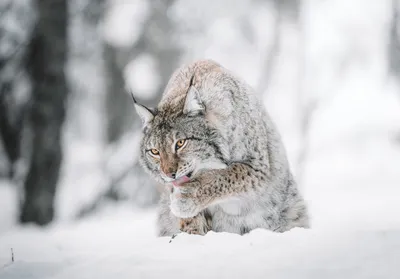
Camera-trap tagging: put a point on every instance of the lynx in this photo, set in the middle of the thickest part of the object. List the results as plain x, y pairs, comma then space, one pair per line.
212, 144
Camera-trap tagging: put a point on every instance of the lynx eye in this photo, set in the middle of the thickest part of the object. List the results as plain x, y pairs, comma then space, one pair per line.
180, 143
154, 152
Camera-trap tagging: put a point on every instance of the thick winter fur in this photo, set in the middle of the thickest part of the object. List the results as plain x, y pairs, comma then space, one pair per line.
240, 176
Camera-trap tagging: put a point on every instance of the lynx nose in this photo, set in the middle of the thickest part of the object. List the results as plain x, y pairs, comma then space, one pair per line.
171, 175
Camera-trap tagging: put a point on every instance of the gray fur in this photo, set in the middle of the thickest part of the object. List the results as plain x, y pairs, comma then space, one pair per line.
241, 178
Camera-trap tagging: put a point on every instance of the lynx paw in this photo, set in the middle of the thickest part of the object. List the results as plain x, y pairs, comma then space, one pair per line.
196, 225
183, 206
188, 225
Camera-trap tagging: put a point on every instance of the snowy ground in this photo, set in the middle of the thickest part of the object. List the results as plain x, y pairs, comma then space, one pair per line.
122, 245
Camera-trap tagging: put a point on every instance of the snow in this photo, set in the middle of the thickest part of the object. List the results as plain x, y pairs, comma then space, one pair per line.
123, 245
8, 212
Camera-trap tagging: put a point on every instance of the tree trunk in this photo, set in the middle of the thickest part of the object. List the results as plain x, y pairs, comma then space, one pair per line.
16, 20
9, 133
394, 45
118, 102
48, 50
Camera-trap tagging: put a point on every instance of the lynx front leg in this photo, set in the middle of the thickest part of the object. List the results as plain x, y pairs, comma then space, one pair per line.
209, 186
199, 224
171, 225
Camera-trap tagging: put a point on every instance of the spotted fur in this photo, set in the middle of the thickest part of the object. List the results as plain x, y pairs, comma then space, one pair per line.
240, 178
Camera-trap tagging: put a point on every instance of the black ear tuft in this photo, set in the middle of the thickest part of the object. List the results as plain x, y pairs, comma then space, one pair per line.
146, 114
133, 97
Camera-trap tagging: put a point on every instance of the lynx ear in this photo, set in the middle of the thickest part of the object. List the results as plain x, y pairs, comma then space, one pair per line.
193, 104
145, 113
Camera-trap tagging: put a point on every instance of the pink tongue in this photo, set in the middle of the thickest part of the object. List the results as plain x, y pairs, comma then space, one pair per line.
181, 180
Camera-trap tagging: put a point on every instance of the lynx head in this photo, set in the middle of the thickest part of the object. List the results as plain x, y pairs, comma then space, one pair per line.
178, 141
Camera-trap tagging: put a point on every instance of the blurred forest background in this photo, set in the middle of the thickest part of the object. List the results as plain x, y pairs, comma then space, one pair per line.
327, 70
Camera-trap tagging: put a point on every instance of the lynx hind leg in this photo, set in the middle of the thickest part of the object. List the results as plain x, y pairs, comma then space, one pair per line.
295, 213
200, 224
